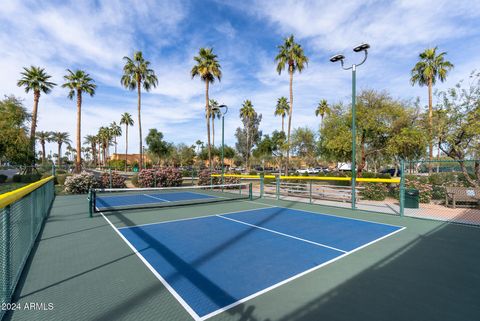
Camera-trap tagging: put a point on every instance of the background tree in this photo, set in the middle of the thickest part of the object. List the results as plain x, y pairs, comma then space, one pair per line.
126, 120
159, 148
78, 82
304, 145
43, 137
247, 114
214, 113
290, 55
282, 109
37, 80
14, 141
459, 135
60, 138
250, 127
322, 109
430, 67
207, 68
105, 138
137, 74
92, 140
116, 131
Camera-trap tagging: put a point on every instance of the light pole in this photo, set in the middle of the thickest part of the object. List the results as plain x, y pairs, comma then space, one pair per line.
362, 47
223, 136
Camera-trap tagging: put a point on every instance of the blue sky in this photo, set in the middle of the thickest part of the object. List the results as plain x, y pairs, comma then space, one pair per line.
95, 35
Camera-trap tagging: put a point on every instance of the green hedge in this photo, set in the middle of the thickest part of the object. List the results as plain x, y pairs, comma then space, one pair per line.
26, 178
3, 178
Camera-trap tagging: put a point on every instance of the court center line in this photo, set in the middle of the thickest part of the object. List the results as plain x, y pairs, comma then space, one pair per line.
157, 198
283, 234
172, 291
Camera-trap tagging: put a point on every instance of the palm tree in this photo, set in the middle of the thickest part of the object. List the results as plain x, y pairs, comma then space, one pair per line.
104, 138
290, 53
60, 138
137, 74
426, 71
43, 137
322, 109
78, 82
92, 141
127, 121
207, 68
214, 113
282, 109
247, 113
37, 80
116, 131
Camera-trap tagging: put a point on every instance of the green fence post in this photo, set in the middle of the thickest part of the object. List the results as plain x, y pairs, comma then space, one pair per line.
110, 176
402, 187
310, 193
90, 202
5, 255
262, 184
250, 191
53, 169
277, 187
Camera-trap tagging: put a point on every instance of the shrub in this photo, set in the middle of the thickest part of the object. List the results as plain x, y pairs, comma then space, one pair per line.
60, 179
117, 164
118, 181
80, 183
204, 179
374, 191
3, 178
421, 184
162, 177
17, 178
26, 178
60, 171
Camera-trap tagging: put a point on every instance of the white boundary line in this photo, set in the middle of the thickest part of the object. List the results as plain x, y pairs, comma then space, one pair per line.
195, 316
283, 234
190, 218
157, 198
211, 314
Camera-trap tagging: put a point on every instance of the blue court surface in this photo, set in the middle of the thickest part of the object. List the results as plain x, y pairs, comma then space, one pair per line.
105, 202
213, 263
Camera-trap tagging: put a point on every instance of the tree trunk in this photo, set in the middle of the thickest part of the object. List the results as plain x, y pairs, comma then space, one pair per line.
430, 123
126, 146
289, 120
59, 154
140, 164
213, 131
247, 165
33, 129
43, 152
283, 121
207, 111
78, 162
115, 142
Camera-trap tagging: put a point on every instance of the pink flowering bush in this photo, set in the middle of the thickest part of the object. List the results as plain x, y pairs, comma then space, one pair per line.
80, 183
161, 177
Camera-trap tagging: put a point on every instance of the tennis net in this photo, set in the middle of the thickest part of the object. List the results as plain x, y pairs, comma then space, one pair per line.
112, 199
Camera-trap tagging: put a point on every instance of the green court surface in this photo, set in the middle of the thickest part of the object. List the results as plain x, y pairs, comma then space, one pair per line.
428, 271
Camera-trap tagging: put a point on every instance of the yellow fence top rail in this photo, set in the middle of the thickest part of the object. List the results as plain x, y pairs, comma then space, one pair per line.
316, 178
13, 196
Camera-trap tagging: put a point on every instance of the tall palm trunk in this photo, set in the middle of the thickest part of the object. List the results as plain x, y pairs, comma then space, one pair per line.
430, 123
126, 146
140, 121
207, 111
248, 147
59, 154
283, 125
78, 162
115, 142
43, 152
36, 98
94, 154
289, 120
213, 131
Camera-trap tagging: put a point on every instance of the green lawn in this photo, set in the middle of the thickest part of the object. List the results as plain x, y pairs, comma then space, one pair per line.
7, 187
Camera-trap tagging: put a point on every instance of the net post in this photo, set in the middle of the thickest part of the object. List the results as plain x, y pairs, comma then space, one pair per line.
250, 191
155, 179
402, 188
262, 184
277, 186
110, 176
5, 255
90, 202
310, 190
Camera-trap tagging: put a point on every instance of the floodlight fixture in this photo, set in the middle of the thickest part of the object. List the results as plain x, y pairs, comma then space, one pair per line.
361, 47
336, 58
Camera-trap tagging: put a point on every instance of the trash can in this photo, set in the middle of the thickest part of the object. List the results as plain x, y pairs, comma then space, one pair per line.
411, 198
